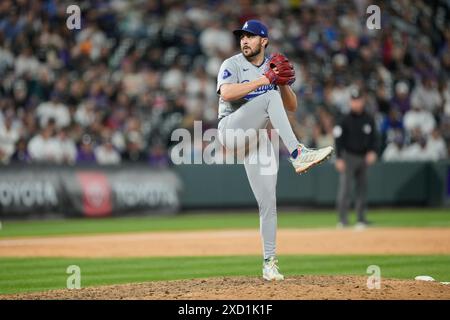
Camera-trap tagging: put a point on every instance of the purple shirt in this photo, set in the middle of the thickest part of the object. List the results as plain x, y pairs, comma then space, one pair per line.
85, 157
402, 105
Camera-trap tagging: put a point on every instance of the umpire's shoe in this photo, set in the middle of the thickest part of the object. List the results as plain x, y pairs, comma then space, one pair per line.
270, 270
308, 158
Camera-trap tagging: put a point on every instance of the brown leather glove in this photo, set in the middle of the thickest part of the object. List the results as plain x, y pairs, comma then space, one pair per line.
279, 70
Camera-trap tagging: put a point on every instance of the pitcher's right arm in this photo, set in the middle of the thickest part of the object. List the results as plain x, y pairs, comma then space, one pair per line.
228, 86
235, 91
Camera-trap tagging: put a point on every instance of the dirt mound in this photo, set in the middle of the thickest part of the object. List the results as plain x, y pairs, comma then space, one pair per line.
246, 288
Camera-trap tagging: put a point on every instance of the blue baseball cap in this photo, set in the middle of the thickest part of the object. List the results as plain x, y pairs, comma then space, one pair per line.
255, 27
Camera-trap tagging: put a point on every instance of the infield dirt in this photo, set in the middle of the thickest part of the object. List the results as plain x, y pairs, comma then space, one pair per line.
412, 241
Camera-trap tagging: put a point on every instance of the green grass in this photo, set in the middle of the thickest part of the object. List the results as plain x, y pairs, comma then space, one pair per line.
310, 219
39, 274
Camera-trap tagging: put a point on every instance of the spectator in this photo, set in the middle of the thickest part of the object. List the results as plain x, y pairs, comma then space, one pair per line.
106, 154
67, 150
158, 156
445, 92
21, 154
390, 125
395, 150
350, 22
436, 145
44, 146
401, 101
340, 97
216, 39
9, 135
85, 154
53, 109
91, 40
173, 79
426, 96
418, 151
85, 114
6, 59
133, 81
419, 118
382, 99
26, 63
134, 150
323, 131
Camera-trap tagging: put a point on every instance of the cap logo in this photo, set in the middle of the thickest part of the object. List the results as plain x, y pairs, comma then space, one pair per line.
245, 26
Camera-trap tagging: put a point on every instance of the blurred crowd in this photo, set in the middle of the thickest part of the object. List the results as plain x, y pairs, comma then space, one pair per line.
115, 90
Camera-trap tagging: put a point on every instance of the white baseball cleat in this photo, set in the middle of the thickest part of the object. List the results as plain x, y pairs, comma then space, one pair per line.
308, 158
341, 226
360, 226
270, 270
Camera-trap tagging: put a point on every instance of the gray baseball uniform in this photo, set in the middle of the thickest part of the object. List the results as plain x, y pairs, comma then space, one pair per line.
254, 112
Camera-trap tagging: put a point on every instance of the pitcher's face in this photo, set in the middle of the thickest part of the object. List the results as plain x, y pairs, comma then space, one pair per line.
251, 45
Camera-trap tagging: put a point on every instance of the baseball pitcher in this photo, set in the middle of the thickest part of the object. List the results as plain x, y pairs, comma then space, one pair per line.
255, 89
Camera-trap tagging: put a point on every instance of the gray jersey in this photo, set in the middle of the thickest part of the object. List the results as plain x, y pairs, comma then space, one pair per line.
254, 111
237, 69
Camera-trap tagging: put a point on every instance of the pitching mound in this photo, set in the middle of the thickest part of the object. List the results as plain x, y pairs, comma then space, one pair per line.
246, 288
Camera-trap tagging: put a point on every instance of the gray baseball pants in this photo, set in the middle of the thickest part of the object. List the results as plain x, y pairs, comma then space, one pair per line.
355, 169
255, 115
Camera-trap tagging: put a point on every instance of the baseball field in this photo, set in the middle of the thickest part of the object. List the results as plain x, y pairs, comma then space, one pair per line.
218, 256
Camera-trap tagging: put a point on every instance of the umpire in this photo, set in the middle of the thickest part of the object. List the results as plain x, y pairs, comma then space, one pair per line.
355, 147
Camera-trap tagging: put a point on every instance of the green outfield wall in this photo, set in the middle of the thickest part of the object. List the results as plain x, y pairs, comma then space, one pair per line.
415, 184
100, 191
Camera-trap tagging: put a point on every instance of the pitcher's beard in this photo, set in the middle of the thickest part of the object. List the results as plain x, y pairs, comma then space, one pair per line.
252, 53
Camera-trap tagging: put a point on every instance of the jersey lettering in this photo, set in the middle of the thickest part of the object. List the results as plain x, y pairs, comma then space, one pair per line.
259, 91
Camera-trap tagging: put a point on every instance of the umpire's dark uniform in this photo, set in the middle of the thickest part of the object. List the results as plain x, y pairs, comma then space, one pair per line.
355, 138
